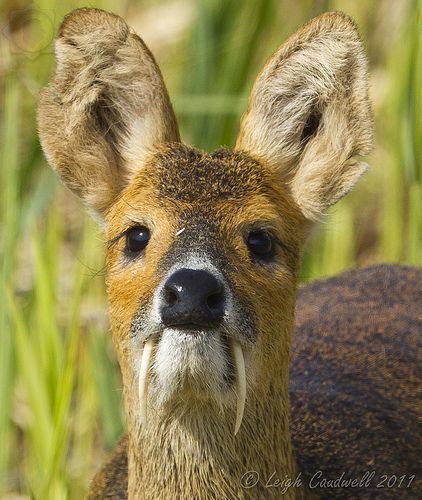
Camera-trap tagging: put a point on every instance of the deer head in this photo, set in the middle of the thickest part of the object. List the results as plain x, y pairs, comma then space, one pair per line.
203, 248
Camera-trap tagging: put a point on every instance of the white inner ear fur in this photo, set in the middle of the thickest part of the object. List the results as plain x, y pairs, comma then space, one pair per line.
320, 71
141, 139
105, 108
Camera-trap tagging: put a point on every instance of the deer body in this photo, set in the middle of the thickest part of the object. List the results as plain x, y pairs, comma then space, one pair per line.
203, 248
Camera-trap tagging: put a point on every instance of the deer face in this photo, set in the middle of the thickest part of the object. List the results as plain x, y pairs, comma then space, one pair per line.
221, 238
203, 249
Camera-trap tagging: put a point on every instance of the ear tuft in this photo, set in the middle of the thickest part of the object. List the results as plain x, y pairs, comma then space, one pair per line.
309, 114
105, 108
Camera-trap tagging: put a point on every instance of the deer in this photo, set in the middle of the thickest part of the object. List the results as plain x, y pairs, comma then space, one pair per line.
237, 382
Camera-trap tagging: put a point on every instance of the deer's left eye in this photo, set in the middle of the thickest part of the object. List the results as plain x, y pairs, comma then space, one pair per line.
260, 244
137, 239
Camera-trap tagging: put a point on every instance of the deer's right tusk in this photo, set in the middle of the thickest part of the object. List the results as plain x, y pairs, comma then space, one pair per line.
144, 378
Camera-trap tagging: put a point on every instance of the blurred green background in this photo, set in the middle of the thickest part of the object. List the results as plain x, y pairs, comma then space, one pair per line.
60, 392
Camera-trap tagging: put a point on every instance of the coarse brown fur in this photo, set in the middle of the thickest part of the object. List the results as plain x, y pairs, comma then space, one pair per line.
355, 387
108, 129
215, 210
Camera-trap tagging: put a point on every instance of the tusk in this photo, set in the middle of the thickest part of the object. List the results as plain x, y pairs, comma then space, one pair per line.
144, 379
239, 363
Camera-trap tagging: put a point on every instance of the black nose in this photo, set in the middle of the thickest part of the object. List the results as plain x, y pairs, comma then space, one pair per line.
192, 297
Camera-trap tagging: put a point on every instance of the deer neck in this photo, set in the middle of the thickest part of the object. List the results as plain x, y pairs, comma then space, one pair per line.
189, 450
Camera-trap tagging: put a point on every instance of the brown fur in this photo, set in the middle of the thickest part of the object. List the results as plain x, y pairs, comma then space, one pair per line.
107, 127
354, 384
158, 193
355, 379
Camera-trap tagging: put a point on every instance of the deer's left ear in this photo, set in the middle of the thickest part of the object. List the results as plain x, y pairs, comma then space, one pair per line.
309, 113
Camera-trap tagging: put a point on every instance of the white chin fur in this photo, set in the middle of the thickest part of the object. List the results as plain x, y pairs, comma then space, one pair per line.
189, 363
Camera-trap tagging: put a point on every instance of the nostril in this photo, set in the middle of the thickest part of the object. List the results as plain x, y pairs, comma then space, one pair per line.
215, 299
170, 297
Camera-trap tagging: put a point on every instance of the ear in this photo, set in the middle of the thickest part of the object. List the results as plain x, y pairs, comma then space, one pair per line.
309, 114
105, 108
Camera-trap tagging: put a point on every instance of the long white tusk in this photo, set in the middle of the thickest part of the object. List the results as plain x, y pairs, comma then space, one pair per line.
144, 379
239, 363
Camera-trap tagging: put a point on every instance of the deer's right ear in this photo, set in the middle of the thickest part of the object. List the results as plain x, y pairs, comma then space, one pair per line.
105, 108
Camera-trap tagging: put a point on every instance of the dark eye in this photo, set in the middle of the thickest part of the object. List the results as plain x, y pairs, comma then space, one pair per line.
137, 239
260, 244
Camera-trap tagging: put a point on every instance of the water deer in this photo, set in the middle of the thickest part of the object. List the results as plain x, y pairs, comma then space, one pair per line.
202, 260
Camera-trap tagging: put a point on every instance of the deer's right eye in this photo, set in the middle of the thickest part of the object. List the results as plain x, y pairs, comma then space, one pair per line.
137, 239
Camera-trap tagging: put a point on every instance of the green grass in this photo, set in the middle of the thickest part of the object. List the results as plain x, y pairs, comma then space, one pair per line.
60, 389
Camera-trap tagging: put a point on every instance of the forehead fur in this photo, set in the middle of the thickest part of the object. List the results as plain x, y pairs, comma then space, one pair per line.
223, 191
188, 175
